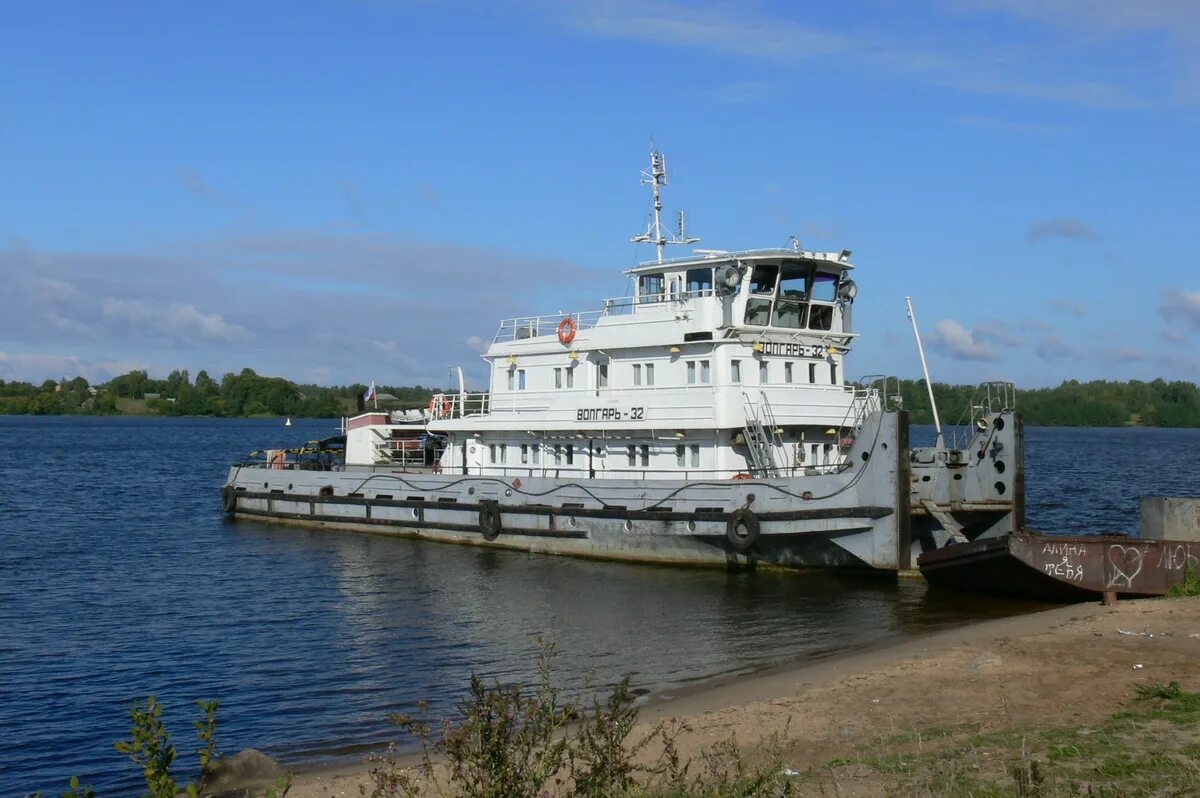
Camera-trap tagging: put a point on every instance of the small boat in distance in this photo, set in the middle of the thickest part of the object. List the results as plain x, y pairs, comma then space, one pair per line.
287, 422
704, 419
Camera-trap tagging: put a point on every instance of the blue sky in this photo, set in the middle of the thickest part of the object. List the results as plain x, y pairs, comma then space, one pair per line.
340, 192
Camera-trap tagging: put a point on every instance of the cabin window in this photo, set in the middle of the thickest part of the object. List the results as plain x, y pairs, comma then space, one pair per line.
650, 288
705, 372
570, 378
824, 287
763, 279
645, 455
492, 451
649, 373
557, 454
735, 371
524, 453
676, 290
763, 372
681, 455
602, 375
570, 454
520, 379
758, 312
695, 455
833, 374
504, 453
691, 372
558, 382
820, 317
512, 376
699, 282
637, 373
632, 453
812, 373
787, 372
537, 453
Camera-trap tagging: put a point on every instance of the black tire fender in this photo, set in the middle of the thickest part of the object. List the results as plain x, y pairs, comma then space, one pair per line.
489, 519
228, 498
742, 529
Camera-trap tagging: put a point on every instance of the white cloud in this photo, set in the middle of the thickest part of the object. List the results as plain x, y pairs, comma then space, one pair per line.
1055, 347
1180, 305
1060, 227
961, 343
1067, 306
178, 319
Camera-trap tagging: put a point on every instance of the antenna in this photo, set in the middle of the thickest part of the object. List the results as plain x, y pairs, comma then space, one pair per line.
937, 422
656, 177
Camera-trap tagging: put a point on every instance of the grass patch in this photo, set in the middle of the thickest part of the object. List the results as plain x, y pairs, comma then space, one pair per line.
1190, 586
1152, 748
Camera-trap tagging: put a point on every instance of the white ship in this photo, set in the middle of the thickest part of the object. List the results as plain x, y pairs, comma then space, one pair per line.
704, 418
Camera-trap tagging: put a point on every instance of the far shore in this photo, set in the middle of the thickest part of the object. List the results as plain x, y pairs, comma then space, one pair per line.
1068, 666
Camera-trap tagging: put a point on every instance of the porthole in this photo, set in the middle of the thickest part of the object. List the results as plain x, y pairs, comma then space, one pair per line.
866, 456
999, 466
1000, 488
926, 478
999, 425
957, 476
266, 484
571, 522
884, 445
416, 512
691, 526
470, 491
508, 491
289, 486
628, 525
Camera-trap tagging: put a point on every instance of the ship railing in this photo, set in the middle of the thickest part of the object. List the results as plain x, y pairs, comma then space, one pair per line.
989, 398
454, 405
522, 327
623, 472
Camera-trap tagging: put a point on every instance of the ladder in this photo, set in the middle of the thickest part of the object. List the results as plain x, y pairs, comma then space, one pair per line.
762, 435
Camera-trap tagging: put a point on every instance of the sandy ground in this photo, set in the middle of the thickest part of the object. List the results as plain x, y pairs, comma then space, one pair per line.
1068, 666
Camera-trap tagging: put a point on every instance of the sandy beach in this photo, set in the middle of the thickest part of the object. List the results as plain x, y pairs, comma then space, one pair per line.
1064, 667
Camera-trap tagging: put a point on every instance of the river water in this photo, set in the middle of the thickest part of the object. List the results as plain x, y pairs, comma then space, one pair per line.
120, 578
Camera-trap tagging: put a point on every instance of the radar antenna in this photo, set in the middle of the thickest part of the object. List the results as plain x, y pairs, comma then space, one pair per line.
656, 176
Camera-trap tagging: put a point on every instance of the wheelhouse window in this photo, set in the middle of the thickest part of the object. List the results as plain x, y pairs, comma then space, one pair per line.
520, 379
558, 378
570, 378
650, 288
691, 372
833, 380
645, 455
763, 372
705, 372
524, 453
512, 379
649, 373
699, 282
695, 455
570, 454
791, 305
762, 283
824, 290
735, 371
787, 372
681, 456
812, 373
637, 373
602, 375
632, 453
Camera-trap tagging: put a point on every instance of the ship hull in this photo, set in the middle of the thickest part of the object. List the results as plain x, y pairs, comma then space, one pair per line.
857, 519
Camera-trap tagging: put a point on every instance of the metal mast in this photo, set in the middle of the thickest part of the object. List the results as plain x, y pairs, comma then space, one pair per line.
656, 177
937, 422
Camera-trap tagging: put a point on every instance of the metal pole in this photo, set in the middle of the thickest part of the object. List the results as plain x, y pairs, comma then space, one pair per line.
937, 422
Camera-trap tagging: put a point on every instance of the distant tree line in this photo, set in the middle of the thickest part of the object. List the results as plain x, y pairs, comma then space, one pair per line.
1156, 403
244, 394
1098, 403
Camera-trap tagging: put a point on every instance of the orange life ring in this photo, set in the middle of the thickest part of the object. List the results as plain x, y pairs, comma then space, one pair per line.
740, 476
566, 330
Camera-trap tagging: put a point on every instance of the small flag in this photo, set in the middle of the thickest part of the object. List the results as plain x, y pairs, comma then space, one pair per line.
370, 394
